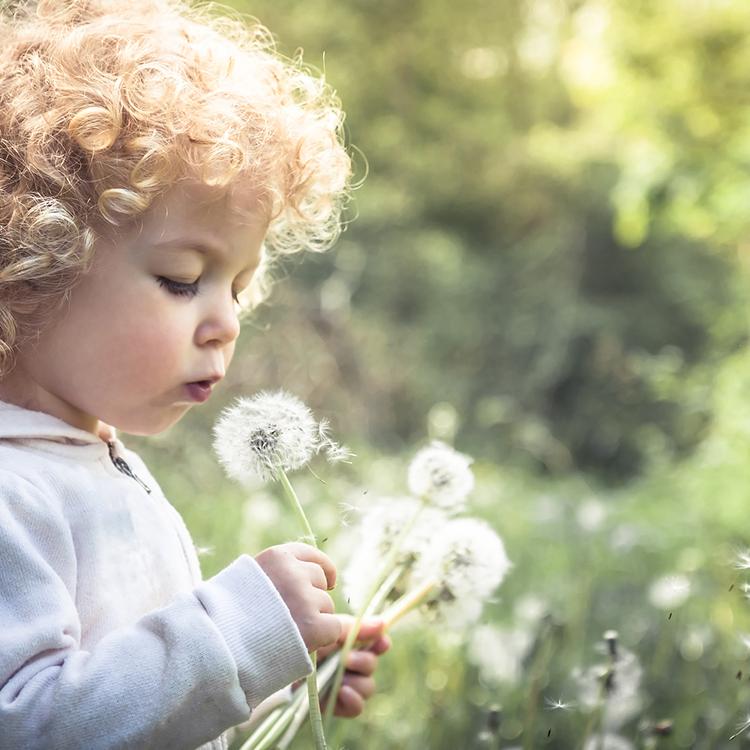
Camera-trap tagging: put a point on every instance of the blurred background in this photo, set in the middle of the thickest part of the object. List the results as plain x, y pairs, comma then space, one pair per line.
546, 266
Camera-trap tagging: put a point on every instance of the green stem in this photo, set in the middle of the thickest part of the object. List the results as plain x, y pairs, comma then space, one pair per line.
351, 636
262, 728
296, 506
407, 602
316, 720
384, 590
298, 715
536, 675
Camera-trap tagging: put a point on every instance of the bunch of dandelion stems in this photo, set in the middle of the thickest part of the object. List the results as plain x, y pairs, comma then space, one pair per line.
316, 720
281, 725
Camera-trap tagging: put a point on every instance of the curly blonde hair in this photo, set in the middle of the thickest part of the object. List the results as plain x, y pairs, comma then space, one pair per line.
107, 104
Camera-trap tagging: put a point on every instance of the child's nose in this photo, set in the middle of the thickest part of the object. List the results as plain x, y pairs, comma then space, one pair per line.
220, 325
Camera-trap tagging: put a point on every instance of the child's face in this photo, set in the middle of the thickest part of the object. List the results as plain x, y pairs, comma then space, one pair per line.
139, 329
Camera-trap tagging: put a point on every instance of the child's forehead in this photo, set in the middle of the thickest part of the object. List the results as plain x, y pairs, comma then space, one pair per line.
203, 207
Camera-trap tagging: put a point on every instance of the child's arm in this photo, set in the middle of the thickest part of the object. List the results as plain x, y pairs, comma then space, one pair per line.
176, 678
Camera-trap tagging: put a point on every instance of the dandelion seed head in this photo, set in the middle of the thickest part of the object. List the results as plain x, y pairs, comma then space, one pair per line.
468, 559
257, 436
378, 529
669, 592
622, 695
442, 476
498, 652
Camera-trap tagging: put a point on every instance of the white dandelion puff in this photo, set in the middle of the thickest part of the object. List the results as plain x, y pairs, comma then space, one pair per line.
499, 652
618, 684
271, 431
468, 560
379, 529
442, 476
669, 592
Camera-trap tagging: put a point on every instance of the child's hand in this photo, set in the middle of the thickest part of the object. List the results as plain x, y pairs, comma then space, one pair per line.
358, 683
302, 575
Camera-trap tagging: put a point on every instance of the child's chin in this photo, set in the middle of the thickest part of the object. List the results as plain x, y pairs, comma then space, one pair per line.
152, 425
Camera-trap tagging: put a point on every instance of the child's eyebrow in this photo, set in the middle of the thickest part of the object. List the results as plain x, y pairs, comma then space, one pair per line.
200, 246
205, 248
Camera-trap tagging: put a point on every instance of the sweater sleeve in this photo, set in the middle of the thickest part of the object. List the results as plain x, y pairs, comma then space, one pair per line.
176, 678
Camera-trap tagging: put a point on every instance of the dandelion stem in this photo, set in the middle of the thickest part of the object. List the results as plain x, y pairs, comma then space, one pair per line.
384, 590
296, 505
316, 719
270, 730
407, 602
537, 672
385, 570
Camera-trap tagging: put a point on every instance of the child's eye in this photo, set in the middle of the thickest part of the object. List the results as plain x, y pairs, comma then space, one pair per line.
178, 287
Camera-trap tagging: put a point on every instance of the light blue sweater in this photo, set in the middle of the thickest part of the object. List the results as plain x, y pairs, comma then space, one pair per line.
108, 637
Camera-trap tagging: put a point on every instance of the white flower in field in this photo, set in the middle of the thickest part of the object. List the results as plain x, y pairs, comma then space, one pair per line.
441, 476
529, 609
608, 742
498, 653
259, 435
617, 684
591, 514
669, 592
468, 560
380, 527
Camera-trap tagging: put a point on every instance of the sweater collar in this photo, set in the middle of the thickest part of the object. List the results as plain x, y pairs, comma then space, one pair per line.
17, 423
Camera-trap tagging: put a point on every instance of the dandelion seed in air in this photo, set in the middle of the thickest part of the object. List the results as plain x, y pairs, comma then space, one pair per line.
742, 560
742, 727
559, 704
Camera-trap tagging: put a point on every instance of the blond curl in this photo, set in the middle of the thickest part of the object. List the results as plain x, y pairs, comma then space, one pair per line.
106, 104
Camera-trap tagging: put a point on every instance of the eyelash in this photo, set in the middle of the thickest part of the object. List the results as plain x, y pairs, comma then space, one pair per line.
181, 289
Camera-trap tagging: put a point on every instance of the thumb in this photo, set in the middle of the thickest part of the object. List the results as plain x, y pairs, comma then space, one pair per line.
371, 628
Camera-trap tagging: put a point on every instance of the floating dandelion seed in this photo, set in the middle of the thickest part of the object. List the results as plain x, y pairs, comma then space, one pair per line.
742, 560
441, 476
742, 727
559, 704
268, 432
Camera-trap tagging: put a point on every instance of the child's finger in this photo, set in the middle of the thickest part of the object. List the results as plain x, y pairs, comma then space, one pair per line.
317, 576
364, 686
370, 629
380, 645
350, 703
361, 662
307, 553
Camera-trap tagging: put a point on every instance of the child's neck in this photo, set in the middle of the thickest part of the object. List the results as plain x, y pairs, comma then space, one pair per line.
21, 391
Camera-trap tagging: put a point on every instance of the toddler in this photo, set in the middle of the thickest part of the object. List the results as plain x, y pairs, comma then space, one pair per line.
153, 158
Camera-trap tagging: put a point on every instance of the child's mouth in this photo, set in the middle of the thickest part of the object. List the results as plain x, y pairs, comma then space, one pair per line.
199, 391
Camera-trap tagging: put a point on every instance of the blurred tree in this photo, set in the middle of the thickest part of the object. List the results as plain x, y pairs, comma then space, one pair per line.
550, 215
